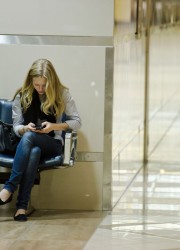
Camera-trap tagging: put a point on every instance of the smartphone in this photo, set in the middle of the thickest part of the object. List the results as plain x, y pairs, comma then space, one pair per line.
39, 127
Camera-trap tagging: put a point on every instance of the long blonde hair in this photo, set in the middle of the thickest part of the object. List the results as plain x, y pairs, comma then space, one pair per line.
54, 88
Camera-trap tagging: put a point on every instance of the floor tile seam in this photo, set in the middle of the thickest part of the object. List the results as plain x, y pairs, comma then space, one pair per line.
140, 224
141, 233
157, 236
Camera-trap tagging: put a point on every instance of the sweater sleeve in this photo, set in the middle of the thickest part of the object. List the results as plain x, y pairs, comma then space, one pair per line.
74, 120
17, 115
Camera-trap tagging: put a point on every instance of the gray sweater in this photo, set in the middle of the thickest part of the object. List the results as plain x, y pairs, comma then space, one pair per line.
74, 121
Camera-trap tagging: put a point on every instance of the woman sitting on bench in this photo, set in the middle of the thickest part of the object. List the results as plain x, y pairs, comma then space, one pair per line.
37, 109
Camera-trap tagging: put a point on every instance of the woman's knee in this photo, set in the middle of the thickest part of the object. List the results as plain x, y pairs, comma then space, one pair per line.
36, 151
28, 137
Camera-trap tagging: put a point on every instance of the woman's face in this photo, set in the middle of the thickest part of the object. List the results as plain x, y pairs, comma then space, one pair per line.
39, 84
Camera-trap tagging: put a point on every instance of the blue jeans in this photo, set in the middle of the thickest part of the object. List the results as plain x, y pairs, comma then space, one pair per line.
31, 148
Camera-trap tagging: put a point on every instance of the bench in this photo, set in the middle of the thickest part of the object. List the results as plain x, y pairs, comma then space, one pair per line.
65, 160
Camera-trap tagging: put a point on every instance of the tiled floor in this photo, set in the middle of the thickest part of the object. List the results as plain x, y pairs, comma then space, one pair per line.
148, 216
152, 226
48, 230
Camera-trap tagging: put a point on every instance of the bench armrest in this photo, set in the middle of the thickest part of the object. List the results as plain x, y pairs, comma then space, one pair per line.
70, 143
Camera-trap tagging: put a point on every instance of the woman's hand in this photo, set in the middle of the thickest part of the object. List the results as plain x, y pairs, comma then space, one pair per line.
25, 128
30, 127
46, 128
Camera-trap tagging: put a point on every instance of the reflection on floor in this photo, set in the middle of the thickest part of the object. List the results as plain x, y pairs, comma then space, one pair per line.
153, 226
147, 217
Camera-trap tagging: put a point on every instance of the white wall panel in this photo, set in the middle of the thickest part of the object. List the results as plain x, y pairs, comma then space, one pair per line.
82, 69
57, 17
